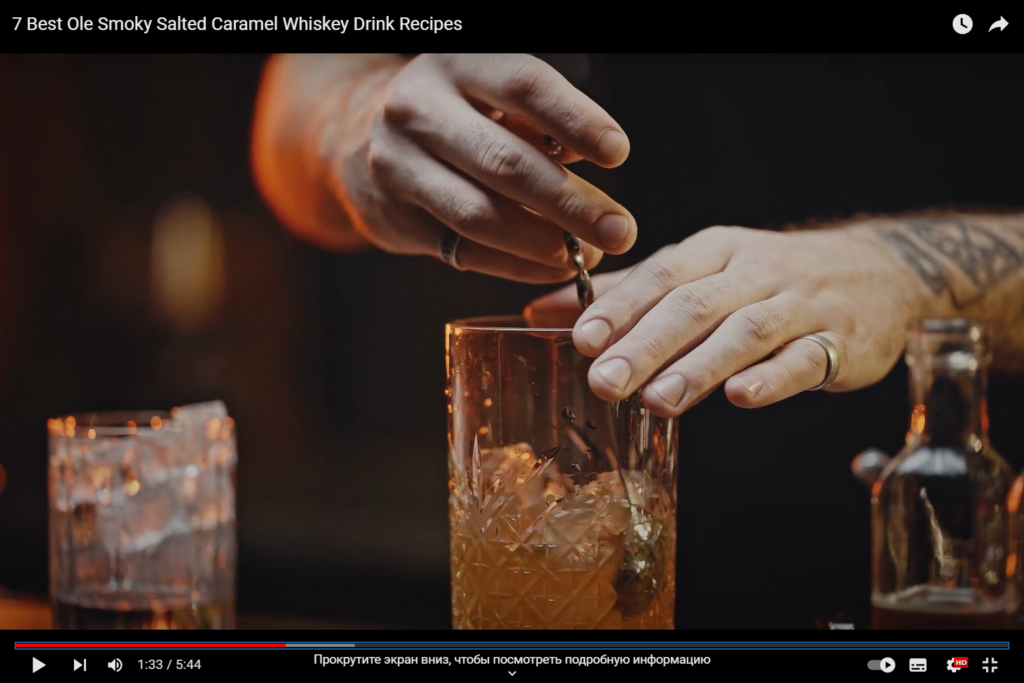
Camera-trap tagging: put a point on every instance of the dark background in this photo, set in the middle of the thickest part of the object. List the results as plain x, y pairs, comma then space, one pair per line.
332, 365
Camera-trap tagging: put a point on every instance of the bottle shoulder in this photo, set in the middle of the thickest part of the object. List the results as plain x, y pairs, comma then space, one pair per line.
926, 460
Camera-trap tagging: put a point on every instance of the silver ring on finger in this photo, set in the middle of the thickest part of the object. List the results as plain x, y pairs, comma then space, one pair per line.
832, 353
448, 248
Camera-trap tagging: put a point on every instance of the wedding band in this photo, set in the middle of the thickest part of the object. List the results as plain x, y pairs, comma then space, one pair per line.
449, 248
832, 369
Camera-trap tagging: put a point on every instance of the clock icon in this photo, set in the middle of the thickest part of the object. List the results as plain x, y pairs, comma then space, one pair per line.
962, 24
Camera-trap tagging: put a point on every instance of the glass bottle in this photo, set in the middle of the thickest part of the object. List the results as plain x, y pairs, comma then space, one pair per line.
941, 526
1015, 564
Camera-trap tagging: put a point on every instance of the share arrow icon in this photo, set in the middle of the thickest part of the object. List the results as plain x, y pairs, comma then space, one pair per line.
1001, 24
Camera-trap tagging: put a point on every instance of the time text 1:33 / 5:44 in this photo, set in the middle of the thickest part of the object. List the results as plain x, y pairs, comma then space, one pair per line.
168, 664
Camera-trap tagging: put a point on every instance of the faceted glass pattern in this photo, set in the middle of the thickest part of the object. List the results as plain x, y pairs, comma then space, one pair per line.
562, 506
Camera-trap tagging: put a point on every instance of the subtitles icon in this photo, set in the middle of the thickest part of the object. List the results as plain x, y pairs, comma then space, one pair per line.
918, 665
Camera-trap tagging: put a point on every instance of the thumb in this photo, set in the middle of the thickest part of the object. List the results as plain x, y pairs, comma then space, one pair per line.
562, 308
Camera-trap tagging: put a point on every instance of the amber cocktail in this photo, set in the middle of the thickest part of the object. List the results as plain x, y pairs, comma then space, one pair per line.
562, 506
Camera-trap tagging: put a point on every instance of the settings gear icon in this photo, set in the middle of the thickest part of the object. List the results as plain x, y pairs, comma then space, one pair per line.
950, 665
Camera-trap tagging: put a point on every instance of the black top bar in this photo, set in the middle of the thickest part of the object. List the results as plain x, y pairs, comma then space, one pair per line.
389, 27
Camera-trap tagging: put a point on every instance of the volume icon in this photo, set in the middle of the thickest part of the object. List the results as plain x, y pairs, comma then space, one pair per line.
115, 665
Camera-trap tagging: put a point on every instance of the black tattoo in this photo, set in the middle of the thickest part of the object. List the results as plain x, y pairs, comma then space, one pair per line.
950, 254
927, 266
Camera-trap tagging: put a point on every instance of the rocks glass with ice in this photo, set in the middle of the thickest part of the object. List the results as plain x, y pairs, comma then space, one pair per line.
142, 519
562, 506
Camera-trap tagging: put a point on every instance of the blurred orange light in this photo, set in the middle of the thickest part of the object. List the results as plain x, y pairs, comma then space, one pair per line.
92, 433
188, 264
917, 420
1016, 494
156, 422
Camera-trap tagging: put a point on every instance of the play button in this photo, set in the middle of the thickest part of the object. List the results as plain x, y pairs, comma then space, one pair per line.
36, 665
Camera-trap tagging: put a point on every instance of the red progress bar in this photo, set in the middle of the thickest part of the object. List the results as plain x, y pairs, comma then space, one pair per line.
25, 646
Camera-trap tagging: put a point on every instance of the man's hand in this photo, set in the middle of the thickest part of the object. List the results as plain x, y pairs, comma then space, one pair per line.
457, 141
715, 308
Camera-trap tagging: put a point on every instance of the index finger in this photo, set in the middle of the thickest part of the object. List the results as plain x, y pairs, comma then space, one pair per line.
615, 314
527, 87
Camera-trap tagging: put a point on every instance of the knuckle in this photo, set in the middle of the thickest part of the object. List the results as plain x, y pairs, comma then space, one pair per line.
718, 232
526, 81
660, 276
381, 160
503, 159
400, 108
667, 253
469, 215
765, 325
572, 202
648, 346
694, 306
725, 234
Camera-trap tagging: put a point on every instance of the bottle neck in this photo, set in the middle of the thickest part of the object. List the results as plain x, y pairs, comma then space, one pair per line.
950, 406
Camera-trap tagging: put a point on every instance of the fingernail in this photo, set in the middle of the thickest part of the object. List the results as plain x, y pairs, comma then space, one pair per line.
595, 334
612, 145
615, 373
611, 230
751, 384
671, 389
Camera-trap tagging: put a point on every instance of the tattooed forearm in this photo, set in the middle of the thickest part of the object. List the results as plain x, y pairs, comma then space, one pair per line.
972, 266
965, 256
